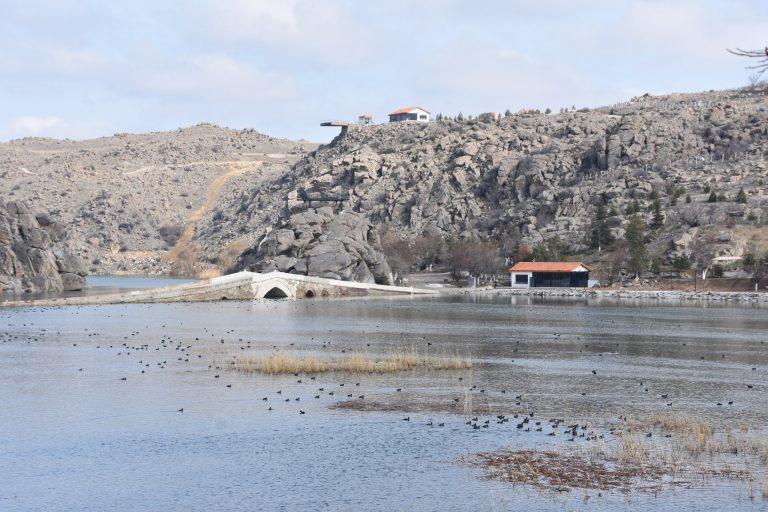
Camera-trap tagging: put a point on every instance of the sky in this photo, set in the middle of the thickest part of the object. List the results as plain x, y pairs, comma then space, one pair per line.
84, 68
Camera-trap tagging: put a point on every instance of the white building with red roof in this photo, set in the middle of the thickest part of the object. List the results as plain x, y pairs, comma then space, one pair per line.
409, 114
549, 274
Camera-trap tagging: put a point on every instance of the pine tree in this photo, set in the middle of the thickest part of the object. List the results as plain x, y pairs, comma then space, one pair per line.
600, 235
658, 218
633, 208
638, 254
741, 197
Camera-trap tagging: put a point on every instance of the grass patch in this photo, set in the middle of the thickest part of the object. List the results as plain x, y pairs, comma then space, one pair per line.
276, 363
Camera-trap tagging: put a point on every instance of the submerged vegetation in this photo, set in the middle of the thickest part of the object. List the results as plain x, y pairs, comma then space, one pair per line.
395, 361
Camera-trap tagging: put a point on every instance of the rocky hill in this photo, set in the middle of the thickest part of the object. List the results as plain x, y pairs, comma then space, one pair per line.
212, 197
529, 177
133, 200
34, 256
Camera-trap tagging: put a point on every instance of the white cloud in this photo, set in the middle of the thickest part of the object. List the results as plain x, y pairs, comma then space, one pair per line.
216, 77
52, 126
29, 126
327, 33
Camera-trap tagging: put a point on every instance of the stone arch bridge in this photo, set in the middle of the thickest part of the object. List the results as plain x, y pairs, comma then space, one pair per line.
239, 286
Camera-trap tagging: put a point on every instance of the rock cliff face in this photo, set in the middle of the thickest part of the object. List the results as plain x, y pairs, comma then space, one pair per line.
532, 177
33, 253
320, 242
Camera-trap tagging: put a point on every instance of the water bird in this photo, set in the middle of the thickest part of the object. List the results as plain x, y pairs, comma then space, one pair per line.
181, 410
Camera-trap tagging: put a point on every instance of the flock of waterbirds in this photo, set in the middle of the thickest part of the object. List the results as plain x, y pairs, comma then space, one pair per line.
156, 355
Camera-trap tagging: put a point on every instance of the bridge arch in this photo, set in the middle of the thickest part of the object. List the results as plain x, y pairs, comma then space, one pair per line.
274, 289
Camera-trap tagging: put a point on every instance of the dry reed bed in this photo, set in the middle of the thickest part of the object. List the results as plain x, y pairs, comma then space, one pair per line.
554, 471
693, 438
680, 451
275, 363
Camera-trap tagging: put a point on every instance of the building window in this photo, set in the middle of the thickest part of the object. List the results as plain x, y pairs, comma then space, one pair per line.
422, 116
521, 279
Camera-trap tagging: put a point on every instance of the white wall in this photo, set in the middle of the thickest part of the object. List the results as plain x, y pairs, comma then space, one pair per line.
512, 279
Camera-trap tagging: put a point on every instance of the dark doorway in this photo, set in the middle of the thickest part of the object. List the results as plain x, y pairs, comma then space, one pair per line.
275, 293
310, 294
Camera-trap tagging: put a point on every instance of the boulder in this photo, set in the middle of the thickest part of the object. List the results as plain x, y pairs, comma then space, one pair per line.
320, 242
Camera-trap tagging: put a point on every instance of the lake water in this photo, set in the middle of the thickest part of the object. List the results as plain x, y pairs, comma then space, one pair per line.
75, 436
99, 285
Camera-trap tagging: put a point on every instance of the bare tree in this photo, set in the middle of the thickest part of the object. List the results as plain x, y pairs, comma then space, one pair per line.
399, 251
762, 63
478, 259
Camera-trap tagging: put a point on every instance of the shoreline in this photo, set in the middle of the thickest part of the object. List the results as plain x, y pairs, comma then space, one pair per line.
622, 294
210, 290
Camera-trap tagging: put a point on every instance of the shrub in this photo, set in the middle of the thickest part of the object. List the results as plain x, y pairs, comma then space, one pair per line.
682, 262
170, 233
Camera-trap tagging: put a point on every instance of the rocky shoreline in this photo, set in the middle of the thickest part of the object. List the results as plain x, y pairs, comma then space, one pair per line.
760, 298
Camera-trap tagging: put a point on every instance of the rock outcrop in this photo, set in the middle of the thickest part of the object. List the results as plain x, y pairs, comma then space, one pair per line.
34, 256
321, 242
532, 177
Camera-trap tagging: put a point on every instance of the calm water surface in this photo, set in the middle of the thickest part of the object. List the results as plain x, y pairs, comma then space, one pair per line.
75, 436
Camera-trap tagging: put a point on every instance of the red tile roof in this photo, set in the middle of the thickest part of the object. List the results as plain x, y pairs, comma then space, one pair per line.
547, 266
405, 110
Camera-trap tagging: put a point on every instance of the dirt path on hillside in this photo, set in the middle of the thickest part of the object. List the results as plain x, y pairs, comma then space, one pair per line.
153, 167
236, 169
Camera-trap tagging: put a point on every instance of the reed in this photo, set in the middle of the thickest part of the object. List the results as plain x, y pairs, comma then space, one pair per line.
396, 361
632, 452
